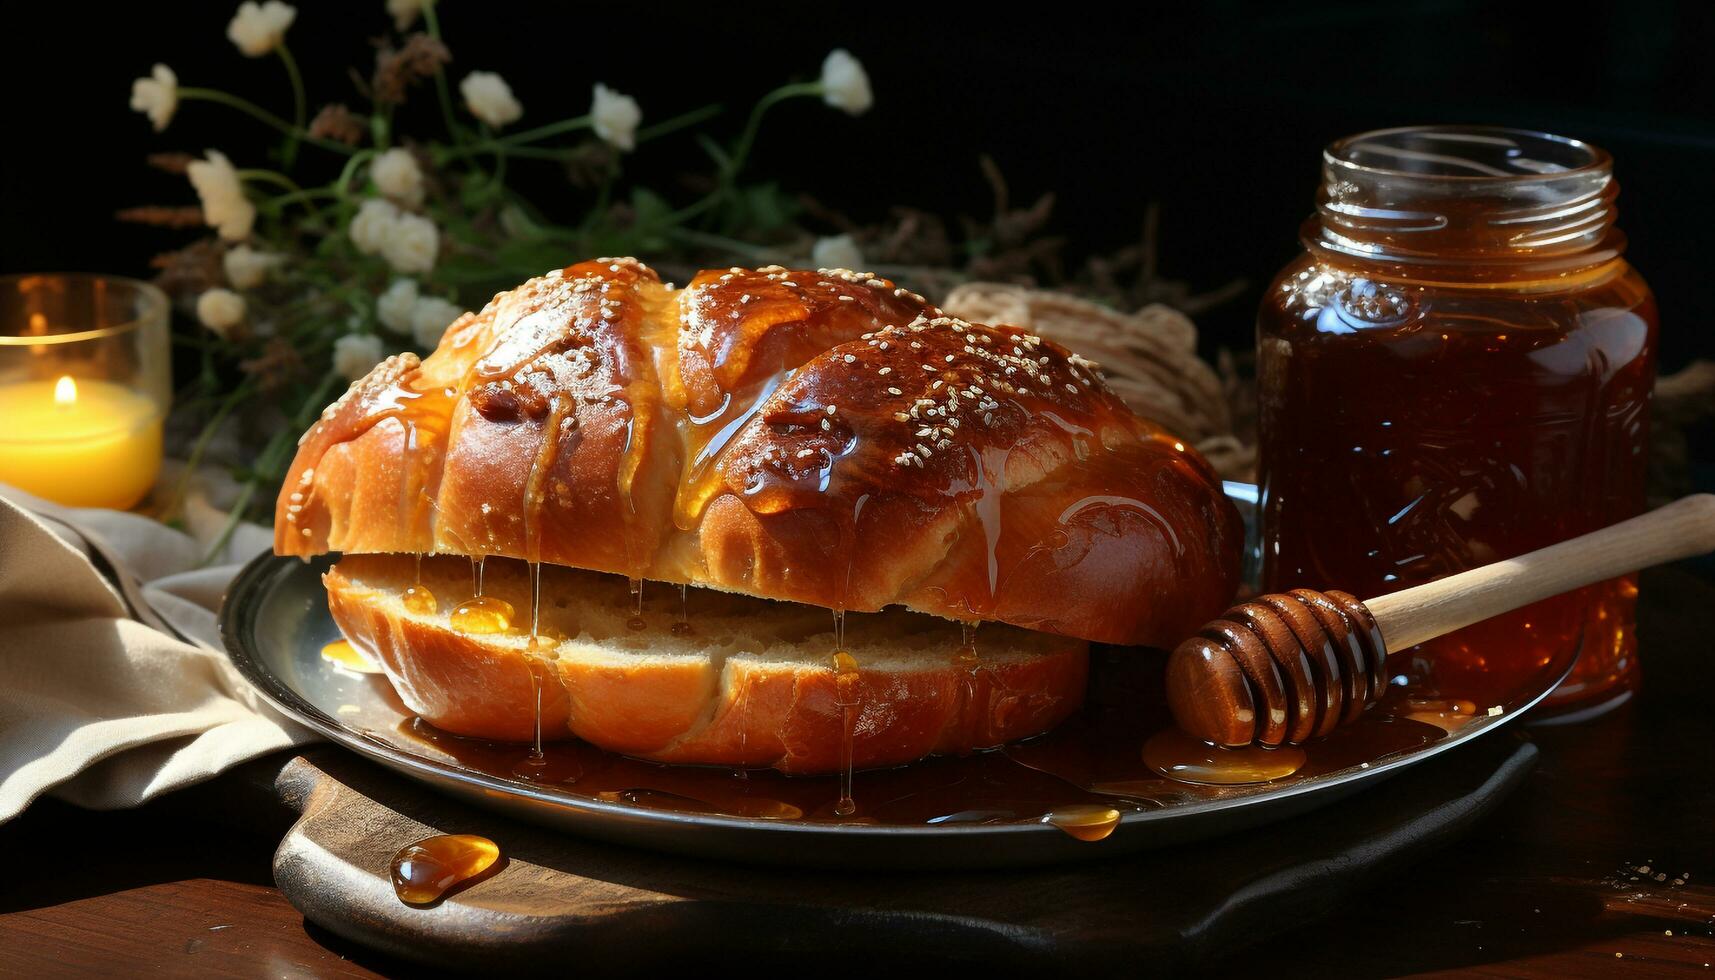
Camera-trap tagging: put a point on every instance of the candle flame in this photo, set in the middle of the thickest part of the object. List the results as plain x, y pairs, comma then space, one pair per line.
65, 390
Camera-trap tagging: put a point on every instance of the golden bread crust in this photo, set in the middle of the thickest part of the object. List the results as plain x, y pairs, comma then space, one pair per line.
818, 436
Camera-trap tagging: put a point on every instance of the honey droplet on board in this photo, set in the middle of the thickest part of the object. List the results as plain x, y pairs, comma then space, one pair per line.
341, 653
483, 614
424, 871
1177, 755
418, 599
1086, 822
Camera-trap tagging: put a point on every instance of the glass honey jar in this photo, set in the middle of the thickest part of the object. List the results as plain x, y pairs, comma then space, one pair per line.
1458, 370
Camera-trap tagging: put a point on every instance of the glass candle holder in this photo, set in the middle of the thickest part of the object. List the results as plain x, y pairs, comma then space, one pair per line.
85, 384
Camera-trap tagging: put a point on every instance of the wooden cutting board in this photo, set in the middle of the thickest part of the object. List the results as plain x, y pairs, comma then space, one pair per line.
561, 903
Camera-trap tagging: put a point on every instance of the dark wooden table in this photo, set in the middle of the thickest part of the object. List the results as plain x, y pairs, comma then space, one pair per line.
1553, 884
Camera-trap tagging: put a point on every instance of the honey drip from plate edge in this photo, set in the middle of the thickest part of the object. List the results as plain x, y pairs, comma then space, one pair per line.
425, 870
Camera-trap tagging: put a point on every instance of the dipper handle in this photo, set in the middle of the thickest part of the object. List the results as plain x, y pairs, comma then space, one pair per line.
1284, 668
1682, 529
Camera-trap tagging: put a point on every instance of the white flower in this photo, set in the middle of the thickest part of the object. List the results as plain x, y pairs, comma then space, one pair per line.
393, 307
259, 28
845, 85
373, 224
489, 98
615, 117
405, 12
837, 252
355, 354
220, 310
224, 206
246, 268
397, 175
412, 245
430, 318
156, 96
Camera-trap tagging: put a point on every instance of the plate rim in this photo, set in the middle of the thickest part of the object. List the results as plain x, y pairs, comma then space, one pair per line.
239, 607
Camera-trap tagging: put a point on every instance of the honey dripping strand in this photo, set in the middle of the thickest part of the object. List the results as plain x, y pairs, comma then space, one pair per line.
538, 664
967, 655
636, 622
533, 659
683, 626
845, 695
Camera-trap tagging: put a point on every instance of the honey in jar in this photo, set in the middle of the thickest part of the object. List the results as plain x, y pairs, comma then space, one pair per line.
1458, 370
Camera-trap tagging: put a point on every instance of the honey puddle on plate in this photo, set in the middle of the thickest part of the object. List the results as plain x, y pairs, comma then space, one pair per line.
1119, 755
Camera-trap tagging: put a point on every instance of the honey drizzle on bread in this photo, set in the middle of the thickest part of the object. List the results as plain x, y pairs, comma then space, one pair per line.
824, 437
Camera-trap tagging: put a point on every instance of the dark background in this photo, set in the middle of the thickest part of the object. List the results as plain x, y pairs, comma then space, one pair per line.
1215, 110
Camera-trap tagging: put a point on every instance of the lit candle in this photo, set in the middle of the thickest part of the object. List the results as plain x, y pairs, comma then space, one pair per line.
81, 442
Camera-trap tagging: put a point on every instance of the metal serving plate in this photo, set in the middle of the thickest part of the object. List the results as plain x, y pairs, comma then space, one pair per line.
275, 623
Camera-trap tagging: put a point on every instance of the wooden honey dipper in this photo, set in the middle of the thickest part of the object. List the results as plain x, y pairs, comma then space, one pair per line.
1287, 667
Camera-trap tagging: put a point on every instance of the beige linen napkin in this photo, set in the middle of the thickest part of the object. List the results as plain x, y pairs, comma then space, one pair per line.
96, 707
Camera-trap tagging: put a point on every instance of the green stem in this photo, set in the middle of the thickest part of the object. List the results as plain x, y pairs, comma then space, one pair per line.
730, 168
496, 146
261, 115
603, 197
679, 122
342, 185
289, 152
695, 208
200, 447
543, 132
742, 149
746, 249
273, 456
433, 22
303, 196
499, 170
270, 177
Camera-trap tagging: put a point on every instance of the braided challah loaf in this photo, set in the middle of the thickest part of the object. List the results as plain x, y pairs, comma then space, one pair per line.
820, 437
